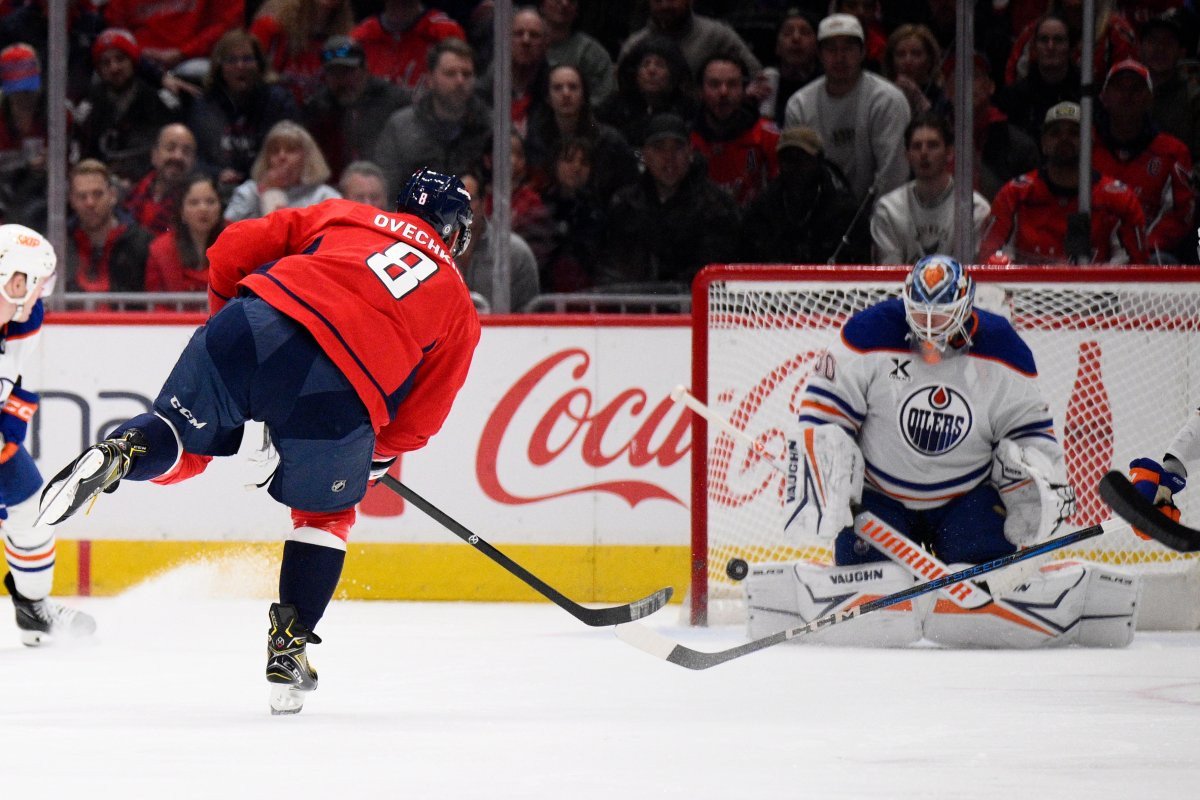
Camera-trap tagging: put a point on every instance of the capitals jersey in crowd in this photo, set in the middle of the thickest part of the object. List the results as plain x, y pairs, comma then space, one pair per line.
380, 294
927, 431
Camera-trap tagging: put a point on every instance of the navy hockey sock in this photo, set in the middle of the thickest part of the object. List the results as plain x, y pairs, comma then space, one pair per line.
307, 578
162, 448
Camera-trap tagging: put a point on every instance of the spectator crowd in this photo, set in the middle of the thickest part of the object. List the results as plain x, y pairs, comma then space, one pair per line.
648, 137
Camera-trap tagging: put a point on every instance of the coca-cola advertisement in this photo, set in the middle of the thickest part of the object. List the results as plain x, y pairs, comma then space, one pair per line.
562, 435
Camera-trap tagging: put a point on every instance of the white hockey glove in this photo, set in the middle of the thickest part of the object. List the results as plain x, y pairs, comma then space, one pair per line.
379, 466
1036, 495
824, 477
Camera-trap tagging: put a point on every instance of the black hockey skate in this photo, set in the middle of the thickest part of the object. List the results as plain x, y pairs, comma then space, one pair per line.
98, 469
42, 620
288, 670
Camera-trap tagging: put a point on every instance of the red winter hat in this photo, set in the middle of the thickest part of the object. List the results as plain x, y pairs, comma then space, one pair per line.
20, 70
118, 38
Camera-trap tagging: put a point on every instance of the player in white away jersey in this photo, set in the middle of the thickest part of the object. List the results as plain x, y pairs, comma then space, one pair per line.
27, 262
930, 387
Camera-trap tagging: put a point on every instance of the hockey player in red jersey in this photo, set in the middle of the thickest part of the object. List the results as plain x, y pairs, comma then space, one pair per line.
348, 332
1029, 214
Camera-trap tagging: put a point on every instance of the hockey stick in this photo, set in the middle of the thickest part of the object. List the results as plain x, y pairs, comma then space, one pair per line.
1139, 512
613, 615
654, 643
919, 563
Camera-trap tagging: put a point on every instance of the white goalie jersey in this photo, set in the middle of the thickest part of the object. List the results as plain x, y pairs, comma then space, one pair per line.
927, 430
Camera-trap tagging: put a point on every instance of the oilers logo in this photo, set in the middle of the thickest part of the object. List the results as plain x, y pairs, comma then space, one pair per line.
935, 419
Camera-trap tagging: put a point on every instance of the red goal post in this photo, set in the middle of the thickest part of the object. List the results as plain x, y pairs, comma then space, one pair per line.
1118, 355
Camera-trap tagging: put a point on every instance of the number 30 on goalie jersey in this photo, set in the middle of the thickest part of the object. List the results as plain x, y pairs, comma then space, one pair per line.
824, 477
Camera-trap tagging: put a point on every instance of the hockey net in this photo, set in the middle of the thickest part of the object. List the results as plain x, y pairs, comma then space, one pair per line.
1118, 356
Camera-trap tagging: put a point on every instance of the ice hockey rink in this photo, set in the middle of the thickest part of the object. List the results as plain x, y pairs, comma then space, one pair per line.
456, 700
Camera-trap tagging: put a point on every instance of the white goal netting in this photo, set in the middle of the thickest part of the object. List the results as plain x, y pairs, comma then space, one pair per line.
1118, 356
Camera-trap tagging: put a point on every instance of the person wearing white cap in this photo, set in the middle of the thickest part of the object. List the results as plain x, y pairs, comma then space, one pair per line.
1155, 165
860, 116
1028, 222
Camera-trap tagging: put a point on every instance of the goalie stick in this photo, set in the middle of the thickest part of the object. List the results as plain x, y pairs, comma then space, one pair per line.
1139, 512
654, 643
598, 617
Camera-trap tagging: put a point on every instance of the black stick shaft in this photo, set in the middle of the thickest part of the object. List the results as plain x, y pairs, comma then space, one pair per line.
613, 615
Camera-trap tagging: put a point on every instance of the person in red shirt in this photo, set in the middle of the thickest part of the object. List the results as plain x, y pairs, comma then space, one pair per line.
739, 145
154, 199
178, 260
398, 40
1155, 165
106, 248
1030, 213
293, 34
171, 33
347, 331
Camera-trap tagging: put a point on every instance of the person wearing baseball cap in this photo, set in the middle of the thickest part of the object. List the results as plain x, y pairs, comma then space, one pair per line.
351, 106
860, 116
802, 215
670, 222
1156, 165
1030, 213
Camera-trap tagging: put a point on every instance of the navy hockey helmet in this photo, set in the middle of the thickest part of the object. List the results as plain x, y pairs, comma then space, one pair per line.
443, 202
939, 297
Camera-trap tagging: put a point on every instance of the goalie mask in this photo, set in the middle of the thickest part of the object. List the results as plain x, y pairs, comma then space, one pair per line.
938, 301
443, 202
25, 251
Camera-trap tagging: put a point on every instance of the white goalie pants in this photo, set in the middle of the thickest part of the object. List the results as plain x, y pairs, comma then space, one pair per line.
1064, 602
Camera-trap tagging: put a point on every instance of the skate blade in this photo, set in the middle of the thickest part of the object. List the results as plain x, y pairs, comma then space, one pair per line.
57, 506
286, 700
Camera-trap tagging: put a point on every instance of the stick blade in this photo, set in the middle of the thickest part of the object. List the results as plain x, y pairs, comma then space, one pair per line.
617, 615
1128, 503
645, 639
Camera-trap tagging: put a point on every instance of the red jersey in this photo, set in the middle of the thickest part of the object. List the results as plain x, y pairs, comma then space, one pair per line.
743, 165
300, 71
1031, 217
380, 294
1159, 173
191, 26
401, 57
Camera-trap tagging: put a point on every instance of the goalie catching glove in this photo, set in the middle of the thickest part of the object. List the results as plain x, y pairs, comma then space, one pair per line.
824, 478
1037, 498
1158, 483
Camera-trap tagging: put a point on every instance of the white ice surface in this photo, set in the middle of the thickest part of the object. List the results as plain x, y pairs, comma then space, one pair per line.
459, 700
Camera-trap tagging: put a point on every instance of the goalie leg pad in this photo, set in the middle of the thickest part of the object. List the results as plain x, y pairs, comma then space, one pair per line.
787, 594
1065, 602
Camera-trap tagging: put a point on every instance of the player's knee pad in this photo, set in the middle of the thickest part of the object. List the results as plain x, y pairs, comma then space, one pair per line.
1065, 602
789, 594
